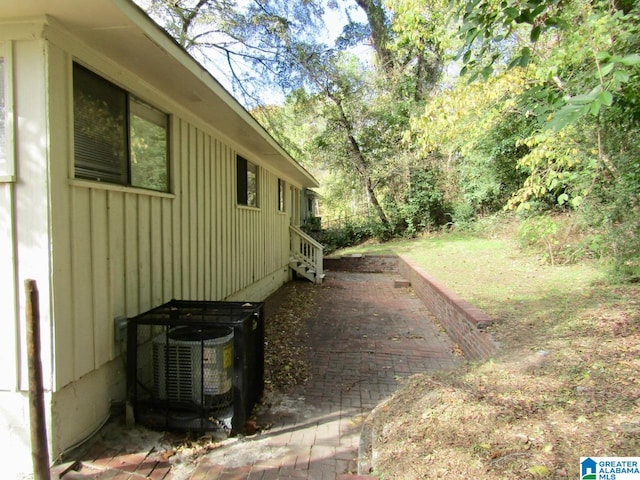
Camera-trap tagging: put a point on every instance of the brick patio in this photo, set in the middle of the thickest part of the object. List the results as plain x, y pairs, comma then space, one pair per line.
367, 334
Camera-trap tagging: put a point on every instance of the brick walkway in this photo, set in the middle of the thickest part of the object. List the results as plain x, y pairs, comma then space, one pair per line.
367, 334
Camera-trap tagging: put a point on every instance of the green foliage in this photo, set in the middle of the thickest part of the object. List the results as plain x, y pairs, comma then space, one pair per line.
477, 128
491, 172
463, 216
566, 139
351, 232
540, 232
423, 206
421, 39
455, 119
488, 29
613, 207
550, 125
596, 71
561, 167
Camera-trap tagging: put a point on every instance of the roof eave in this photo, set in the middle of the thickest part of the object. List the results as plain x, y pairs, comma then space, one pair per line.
123, 32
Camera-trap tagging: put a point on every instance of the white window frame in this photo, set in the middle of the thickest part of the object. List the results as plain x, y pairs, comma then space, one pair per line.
7, 159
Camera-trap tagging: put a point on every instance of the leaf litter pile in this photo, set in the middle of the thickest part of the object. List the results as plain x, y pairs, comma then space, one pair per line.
286, 363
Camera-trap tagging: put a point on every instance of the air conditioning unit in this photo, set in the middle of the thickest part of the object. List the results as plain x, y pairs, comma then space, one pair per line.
194, 365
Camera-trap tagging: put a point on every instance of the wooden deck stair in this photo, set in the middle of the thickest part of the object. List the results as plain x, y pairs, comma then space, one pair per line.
305, 256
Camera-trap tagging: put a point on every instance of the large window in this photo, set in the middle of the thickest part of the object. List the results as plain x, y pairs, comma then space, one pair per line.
247, 182
117, 137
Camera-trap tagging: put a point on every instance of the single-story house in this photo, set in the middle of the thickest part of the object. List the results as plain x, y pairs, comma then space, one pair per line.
128, 177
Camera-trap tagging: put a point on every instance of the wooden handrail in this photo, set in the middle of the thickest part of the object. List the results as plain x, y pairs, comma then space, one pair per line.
307, 251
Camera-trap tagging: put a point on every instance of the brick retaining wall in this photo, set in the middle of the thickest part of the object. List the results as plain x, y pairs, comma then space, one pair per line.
463, 322
362, 263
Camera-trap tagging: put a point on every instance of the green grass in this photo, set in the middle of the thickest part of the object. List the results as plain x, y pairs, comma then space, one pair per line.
488, 272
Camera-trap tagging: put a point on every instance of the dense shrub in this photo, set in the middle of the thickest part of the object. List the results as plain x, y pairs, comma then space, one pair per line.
352, 231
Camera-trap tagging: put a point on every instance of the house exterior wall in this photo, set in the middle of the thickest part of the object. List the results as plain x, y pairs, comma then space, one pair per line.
102, 251
24, 236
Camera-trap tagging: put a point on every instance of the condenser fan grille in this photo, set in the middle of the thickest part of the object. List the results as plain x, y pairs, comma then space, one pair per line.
175, 365
194, 365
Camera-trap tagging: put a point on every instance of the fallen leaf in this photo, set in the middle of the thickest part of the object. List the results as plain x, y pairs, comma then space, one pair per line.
539, 471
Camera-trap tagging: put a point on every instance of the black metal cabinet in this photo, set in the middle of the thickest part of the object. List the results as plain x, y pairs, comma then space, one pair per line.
184, 335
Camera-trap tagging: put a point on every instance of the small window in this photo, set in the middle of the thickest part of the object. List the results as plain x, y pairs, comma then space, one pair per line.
117, 137
281, 190
246, 182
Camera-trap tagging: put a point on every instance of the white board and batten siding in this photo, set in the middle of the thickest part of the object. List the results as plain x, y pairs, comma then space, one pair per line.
102, 251
132, 251
25, 225
24, 210
128, 250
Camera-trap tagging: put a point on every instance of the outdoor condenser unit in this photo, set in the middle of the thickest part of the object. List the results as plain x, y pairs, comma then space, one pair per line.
196, 365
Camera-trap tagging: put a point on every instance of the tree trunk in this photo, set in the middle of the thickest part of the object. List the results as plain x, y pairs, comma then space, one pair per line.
374, 201
379, 32
361, 164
